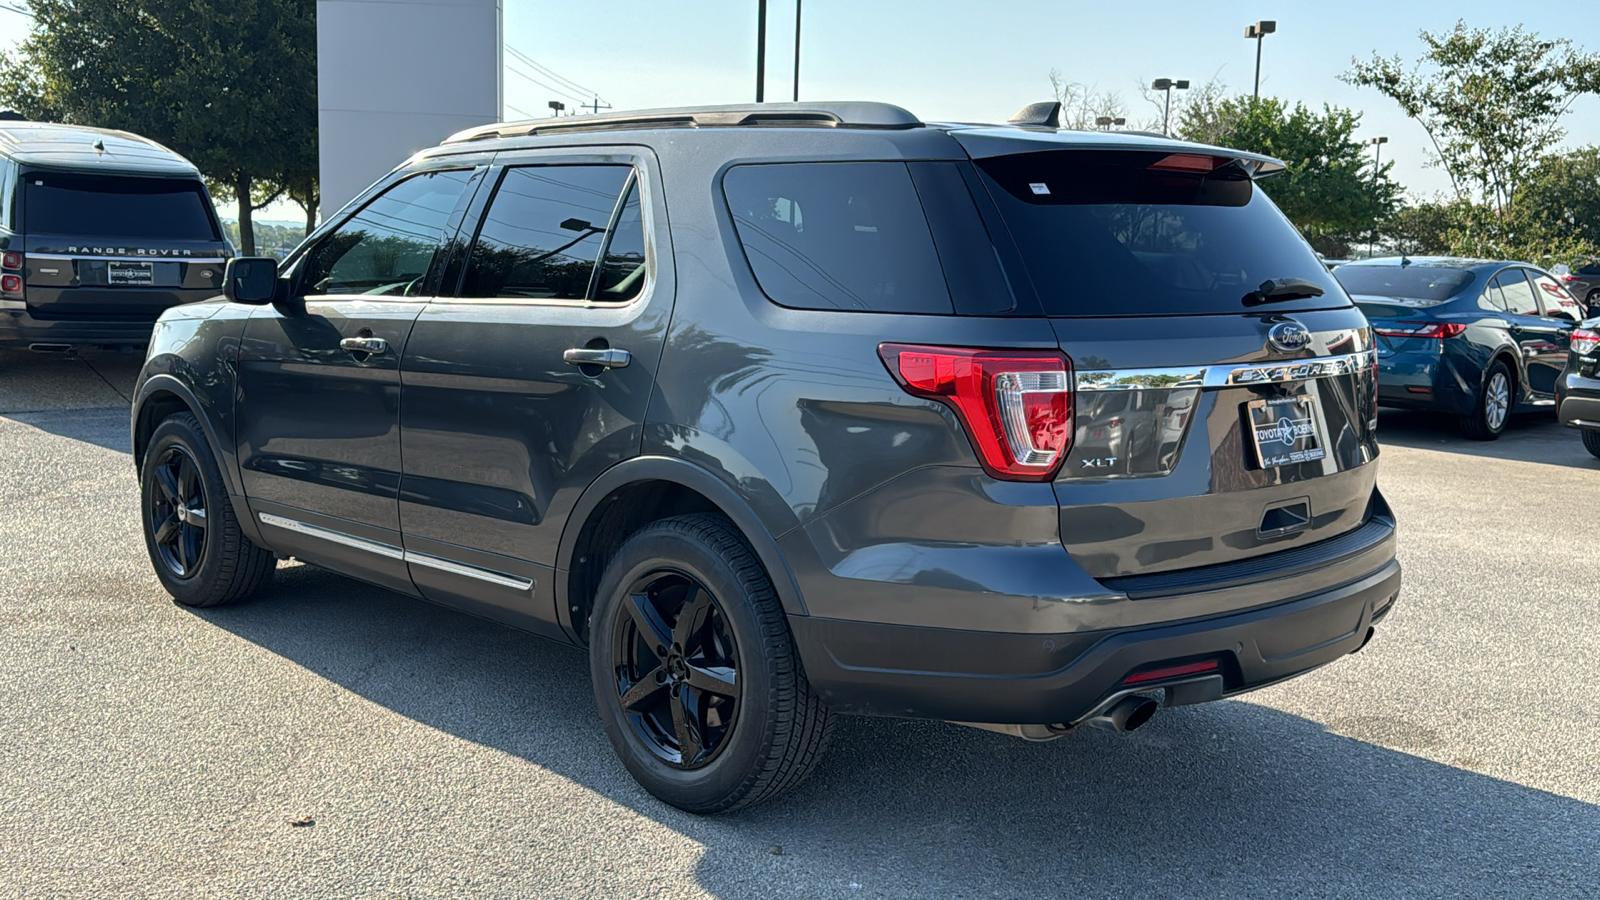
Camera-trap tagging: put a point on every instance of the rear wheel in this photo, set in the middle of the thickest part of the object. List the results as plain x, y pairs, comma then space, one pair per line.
1592, 302
695, 674
1492, 406
193, 538
1591, 442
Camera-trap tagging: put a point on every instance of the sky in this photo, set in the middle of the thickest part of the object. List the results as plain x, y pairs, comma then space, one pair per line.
968, 60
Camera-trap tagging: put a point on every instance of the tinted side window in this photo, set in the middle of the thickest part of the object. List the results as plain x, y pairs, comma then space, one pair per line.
1555, 297
846, 236
388, 246
1518, 293
543, 231
622, 270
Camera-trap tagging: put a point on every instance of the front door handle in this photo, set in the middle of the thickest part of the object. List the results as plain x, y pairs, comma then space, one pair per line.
373, 345
611, 358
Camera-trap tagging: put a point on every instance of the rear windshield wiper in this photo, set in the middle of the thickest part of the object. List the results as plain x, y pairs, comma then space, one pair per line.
1280, 289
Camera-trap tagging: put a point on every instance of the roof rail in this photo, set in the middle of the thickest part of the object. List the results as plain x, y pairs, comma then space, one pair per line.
845, 114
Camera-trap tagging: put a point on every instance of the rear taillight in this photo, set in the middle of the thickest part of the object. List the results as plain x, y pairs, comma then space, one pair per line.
1420, 329
1016, 405
11, 280
12, 261
1584, 341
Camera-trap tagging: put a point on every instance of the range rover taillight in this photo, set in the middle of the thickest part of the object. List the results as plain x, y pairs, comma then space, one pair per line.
1016, 405
1584, 340
11, 276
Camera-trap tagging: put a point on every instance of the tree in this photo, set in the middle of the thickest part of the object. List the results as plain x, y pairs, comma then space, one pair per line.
230, 84
1081, 105
1563, 194
1329, 189
1491, 102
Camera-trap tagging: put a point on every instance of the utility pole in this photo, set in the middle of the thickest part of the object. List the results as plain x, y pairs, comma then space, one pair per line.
761, 50
1377, 167
1258, 31
1167, 84
594, 107
797, 51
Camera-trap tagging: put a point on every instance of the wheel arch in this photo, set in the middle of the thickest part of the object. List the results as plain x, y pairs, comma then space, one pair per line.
159, 397
629, 496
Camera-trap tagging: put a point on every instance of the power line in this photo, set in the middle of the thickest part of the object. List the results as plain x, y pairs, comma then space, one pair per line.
550, 73
558, 91
19, 11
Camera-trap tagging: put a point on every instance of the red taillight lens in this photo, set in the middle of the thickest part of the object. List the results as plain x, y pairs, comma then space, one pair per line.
1016, 405
12, 261
1420, 329
11, 284
1584, 341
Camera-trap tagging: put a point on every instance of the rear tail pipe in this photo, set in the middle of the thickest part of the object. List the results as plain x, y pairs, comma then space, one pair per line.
1129, 714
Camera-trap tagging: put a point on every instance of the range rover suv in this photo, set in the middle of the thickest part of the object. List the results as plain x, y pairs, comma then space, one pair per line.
794, 410
100, 231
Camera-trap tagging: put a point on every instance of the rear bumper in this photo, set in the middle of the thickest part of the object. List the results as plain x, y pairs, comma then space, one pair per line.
1009, 678
1424, 379
1579, 399
19, 329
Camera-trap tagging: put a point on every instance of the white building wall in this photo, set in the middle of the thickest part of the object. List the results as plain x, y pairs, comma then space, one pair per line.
397, 76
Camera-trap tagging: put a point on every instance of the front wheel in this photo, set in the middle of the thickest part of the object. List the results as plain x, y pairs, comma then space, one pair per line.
1591, 442
695, 673
1492, 407
193, 538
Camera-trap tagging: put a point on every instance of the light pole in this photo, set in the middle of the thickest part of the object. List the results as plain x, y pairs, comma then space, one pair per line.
1377, 167
797, 51
556, 106
761, 50
1258, 31
1167, 84
1104, 123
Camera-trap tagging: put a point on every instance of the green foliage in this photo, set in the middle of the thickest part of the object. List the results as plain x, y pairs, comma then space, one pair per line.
1464, 228
272, 239
230, 84
1329, 189
1491, 102
1563, 195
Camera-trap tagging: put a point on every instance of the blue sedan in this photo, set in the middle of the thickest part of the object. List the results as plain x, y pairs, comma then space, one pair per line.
1479, 339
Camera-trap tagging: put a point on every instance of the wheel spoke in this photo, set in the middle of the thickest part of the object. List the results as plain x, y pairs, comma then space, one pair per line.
188, 480
197, 518
691, 617
166, 531
167, 482
644, 693
190, 539
652, 628
686, 723
720, 680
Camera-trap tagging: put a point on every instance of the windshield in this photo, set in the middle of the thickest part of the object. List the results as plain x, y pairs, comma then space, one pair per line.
1433, 283
1125, 233
112, 206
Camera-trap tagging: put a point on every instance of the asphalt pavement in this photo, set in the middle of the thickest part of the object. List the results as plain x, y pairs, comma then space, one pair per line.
147, 750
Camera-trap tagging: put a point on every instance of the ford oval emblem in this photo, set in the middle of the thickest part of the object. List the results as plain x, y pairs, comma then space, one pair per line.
1290, 337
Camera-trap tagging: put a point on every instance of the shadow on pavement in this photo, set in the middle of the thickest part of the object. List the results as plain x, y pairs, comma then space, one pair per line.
1230, 797
1529, 437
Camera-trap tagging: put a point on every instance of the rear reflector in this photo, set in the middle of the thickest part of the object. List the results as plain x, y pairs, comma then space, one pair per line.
1420, 329
1187, 162
1419, 390
1016, 405
1149, 675
1584, 340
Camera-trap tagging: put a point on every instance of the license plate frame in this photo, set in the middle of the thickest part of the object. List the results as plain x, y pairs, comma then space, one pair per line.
130, 274
1286, 431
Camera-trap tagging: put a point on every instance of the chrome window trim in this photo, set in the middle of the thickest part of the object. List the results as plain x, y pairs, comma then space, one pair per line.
184, 259
1222, 376
390, 551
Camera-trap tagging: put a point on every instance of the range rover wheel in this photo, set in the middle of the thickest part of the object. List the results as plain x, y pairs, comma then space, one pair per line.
194, 541
1591, 441
1493, 405
695, 674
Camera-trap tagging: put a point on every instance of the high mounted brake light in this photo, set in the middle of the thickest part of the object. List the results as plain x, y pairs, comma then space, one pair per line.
1016, 405
1188, 162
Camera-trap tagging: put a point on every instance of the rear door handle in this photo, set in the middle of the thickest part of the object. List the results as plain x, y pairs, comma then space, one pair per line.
610, 358
373, 345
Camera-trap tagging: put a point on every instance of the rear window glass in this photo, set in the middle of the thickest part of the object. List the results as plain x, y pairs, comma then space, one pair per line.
1433, 283
174, 209
847, 236
1104, 234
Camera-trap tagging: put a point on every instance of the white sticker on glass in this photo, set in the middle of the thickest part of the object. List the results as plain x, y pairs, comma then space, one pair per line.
1039, 187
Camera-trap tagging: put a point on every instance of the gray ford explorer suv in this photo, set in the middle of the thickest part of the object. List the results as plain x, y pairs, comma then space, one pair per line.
792, 410
101, 231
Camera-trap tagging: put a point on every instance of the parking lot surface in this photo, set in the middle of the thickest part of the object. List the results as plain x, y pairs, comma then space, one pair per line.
152, 750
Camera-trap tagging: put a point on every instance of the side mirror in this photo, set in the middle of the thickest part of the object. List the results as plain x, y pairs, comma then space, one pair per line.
251, 279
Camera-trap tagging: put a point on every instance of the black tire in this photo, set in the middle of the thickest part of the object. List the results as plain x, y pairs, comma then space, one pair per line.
202, 560
1592, 303
1591, 441
746, 748
1492, 406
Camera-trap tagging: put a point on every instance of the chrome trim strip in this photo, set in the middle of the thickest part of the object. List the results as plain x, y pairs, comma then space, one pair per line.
444, 565
13, 304
514, 582
1219, 376
186, 259
328, 534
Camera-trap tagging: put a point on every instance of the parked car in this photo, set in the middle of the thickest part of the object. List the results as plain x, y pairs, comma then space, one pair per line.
100, 232
1479, 339
1583, 283
1000, 425
1578, 388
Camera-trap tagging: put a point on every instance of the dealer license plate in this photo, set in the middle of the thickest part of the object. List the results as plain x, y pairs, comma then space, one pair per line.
135, 273
1286, 431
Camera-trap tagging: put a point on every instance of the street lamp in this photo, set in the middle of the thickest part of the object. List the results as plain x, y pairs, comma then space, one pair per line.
556, 106
1258, 31
1377, 167
1105, 122
1167, 84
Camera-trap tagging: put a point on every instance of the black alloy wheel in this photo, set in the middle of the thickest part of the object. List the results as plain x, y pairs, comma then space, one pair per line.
178, 511
677, 668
